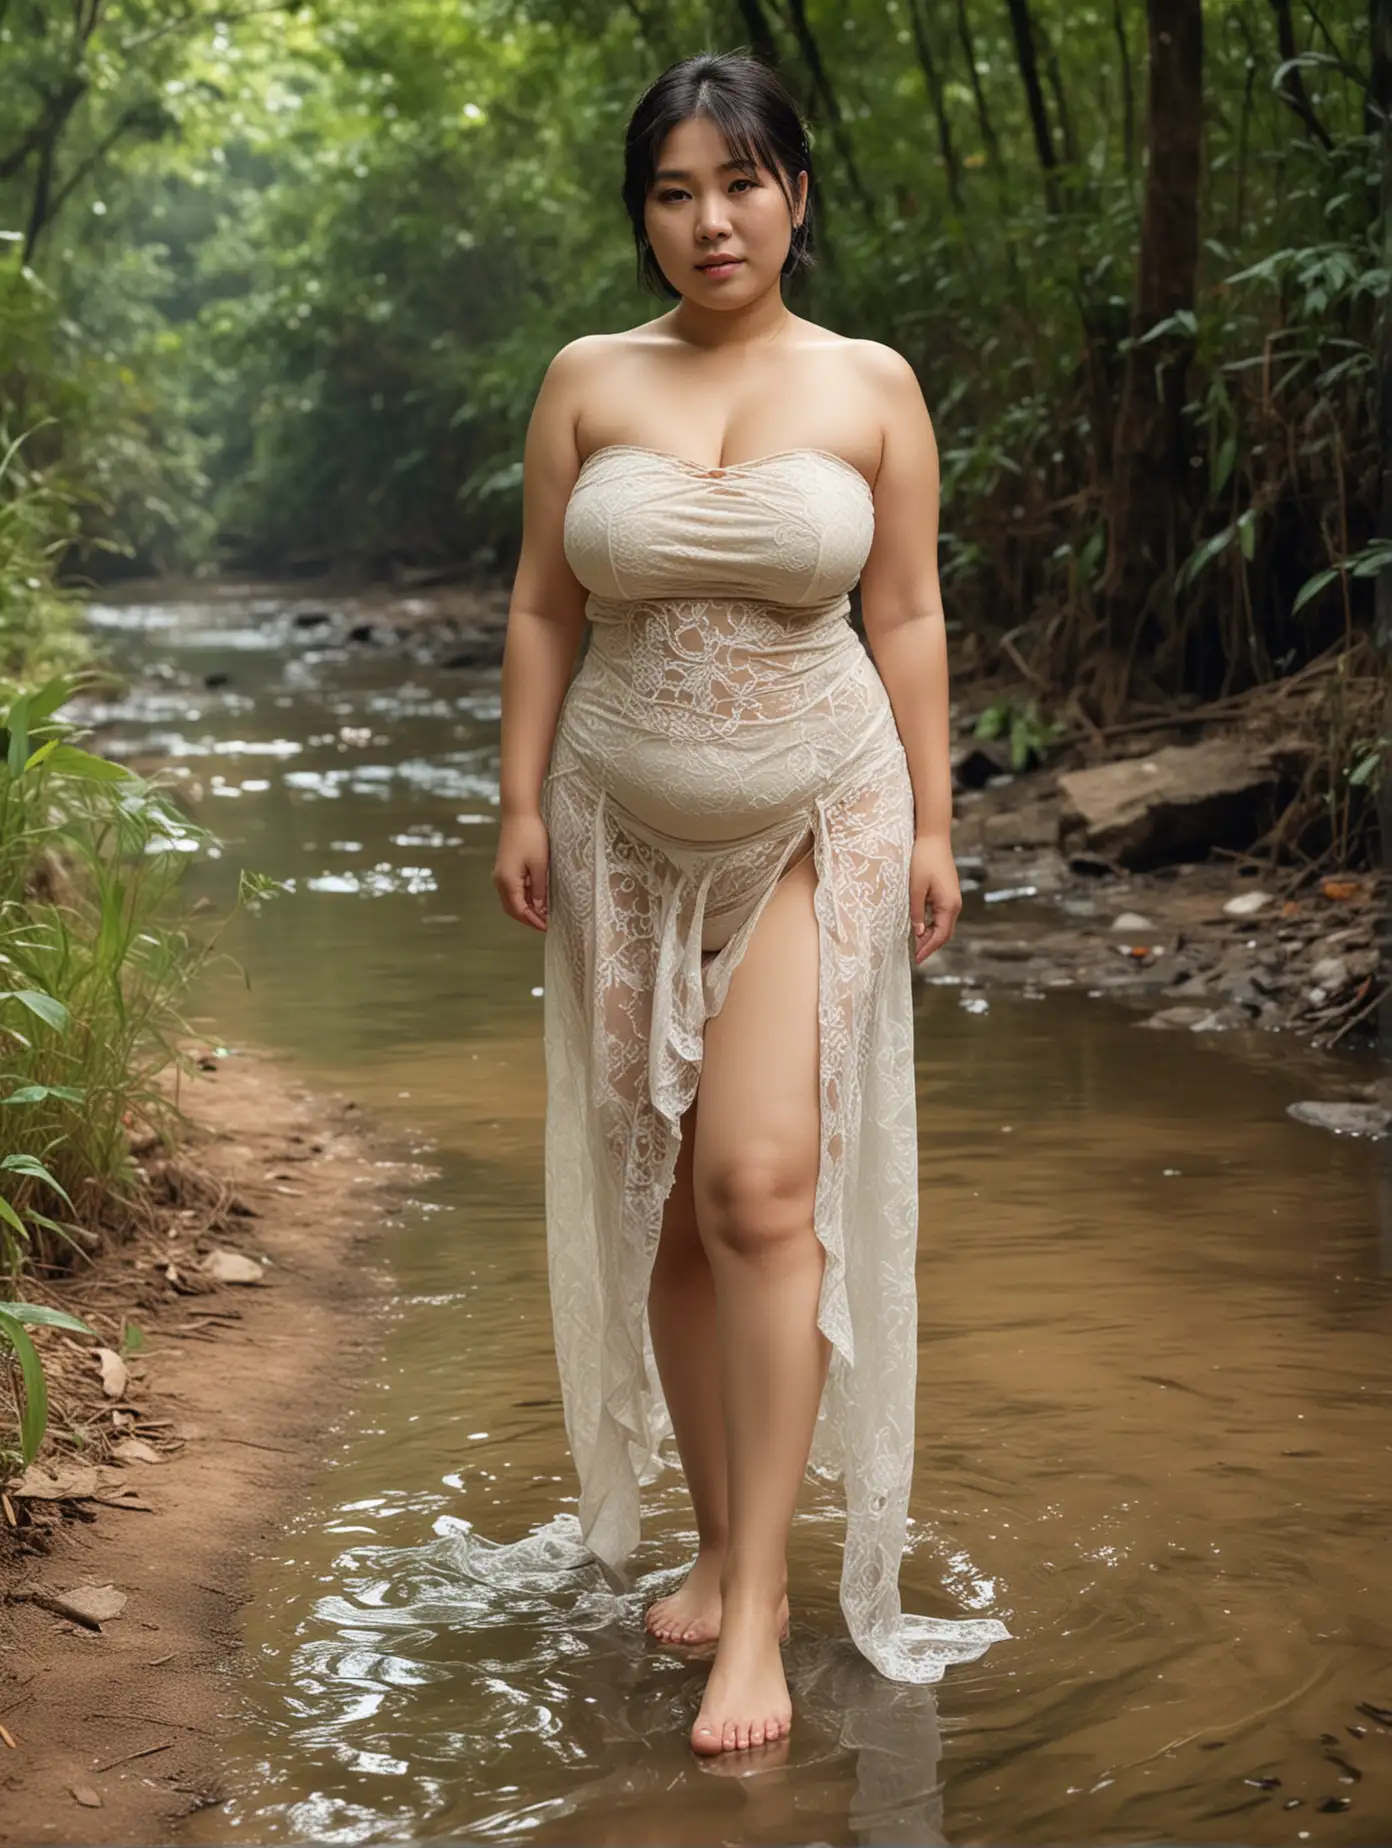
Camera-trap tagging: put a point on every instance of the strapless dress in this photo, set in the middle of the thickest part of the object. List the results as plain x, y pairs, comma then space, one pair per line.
724, 721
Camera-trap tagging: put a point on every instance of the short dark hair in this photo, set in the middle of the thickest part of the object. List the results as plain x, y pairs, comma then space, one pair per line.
748, 102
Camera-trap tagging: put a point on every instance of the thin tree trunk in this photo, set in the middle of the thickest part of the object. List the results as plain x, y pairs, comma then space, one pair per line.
1292, 87
812, 58
1149, 465
761, 39
983, 114
932, 77
1128, 95
1023, 28
1070, 140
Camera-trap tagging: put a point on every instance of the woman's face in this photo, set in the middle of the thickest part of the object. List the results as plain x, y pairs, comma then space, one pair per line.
700, 206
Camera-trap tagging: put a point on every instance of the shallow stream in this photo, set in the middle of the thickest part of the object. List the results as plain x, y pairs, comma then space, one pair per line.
1155, 1392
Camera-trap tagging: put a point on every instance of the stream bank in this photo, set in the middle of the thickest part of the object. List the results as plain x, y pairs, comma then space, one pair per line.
124, 1550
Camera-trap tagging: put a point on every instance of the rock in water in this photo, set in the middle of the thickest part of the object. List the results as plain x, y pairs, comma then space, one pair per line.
1344, 1119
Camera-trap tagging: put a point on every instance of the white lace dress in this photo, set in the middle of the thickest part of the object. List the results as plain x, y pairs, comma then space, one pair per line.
725, 716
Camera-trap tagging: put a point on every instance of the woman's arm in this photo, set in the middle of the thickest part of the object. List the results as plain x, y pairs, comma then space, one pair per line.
902, 612
546, 620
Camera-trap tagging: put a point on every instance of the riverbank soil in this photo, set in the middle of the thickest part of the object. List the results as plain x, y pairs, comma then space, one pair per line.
169, 1465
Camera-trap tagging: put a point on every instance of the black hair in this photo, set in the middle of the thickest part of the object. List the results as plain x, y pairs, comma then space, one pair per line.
747, 101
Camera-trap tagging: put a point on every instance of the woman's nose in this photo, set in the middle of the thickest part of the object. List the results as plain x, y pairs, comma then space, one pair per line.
712, 217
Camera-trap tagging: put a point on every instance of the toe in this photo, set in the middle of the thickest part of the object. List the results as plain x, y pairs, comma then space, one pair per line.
756, 1734
742, 1735
728, 1737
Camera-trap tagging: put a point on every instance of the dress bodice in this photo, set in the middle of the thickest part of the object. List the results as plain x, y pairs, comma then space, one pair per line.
792, 529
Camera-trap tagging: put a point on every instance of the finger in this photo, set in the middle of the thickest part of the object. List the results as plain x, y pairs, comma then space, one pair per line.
935, 938
918, 908
515, 901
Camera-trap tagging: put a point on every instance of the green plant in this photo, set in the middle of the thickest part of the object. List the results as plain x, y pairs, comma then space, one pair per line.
94, 963
1029, 734
33, 1416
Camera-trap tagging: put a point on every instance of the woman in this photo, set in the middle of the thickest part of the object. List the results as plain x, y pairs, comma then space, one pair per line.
726, 824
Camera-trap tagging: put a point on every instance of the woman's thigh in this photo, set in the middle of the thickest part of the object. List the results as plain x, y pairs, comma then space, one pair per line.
758, 1135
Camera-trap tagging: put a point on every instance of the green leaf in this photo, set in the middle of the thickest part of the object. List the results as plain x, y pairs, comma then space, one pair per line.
34, 1168
12, 1218
17, 724
40, 1315
33, 1418
36, 1093
1312, 587
45, 1006
68, 760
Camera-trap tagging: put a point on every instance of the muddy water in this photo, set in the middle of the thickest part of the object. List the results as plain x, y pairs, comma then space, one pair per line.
1153, 1411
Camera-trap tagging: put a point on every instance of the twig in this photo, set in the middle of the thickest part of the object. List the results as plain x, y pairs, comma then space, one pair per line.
145, 1752
1362, 1014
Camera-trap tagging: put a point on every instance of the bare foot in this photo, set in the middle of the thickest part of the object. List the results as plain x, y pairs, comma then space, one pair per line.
692, 1613
746, 1702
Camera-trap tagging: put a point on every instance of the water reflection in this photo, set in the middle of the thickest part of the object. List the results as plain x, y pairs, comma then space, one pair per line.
1153, 1413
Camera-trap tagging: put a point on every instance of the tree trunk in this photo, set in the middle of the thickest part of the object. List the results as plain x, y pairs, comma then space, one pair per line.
983, 114
1291, 89
1150, 475
1128, 96
1023, 28
932, 77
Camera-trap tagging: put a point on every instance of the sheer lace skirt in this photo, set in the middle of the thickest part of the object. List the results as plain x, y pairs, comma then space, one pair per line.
670, 822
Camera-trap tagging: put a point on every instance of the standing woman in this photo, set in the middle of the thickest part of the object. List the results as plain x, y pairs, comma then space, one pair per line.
735, 833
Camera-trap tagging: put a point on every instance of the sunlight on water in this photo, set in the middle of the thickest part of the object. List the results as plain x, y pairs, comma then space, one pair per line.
1153, 1414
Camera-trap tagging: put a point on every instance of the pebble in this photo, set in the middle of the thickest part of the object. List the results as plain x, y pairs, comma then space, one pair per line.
1343, 1119
1246, 903
1330, 972
1131, 920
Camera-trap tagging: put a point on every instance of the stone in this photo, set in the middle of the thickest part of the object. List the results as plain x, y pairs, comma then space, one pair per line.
1176, 803
1131, 920
1032, 824
1175, 1017
1247, 904
1330, 973
1343, 1119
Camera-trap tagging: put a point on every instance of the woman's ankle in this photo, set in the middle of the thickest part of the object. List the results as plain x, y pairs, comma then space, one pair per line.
745, 1584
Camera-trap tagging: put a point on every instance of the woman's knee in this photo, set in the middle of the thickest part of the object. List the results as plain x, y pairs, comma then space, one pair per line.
757, 1203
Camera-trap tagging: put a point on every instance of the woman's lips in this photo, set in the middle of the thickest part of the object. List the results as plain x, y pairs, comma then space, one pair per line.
724, 268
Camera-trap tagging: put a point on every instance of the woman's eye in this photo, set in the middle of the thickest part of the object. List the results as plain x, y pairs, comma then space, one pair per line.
665, 198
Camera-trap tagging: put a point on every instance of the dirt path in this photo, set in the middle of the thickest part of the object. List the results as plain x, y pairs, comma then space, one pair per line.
115, 1733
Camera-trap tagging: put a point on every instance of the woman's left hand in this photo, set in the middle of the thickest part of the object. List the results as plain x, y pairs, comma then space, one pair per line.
935, 898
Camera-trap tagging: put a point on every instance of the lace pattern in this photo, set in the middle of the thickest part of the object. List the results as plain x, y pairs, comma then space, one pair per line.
706, 741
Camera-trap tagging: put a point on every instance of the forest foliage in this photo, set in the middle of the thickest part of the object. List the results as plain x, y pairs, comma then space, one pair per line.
282, 282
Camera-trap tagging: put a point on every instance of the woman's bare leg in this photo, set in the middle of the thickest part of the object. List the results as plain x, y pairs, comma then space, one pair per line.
681, 1311
754, 1177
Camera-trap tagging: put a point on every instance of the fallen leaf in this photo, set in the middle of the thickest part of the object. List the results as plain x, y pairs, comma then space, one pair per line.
1342, 889
86, 1796
136, 1450
115, 1376
77, 1481
231, 1267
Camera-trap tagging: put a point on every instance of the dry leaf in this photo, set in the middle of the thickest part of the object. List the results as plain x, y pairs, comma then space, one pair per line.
76, 1480
86, 1796
231, 1267
115, 1377
136, 1450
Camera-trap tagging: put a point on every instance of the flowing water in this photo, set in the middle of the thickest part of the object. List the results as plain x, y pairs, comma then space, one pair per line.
1153, 1411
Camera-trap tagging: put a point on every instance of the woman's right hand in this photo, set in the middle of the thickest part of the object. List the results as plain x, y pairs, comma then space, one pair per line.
519, 871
